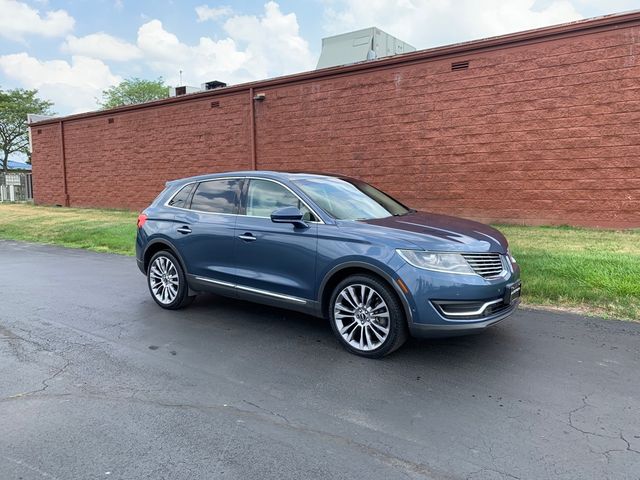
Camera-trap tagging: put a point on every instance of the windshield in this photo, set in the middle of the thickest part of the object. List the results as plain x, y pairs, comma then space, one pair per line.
346, 199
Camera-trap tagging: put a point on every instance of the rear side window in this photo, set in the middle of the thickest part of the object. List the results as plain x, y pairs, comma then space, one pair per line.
181, 199
217, 196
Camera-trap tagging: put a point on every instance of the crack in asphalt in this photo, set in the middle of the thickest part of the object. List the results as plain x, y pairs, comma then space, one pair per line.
489, 449
42, 347
488, 469
584, 405
605, 453
14, 342
45, 384
628, 449
266, 410
10, 335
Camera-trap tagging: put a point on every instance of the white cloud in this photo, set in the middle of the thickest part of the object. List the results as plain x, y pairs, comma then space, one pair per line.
205, 12
273, 41
103, 46
73, 87
18, 19
208, 60
428, 23
256, 47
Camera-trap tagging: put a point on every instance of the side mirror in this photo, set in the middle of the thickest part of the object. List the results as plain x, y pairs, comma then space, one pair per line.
289, 215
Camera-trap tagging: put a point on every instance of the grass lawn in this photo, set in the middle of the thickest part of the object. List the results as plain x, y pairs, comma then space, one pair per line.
98, 230
591, 271
588, 271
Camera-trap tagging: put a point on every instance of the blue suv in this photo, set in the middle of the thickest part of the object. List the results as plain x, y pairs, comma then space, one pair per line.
330, 246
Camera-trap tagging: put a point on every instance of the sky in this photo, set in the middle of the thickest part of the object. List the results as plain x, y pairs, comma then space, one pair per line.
73, 50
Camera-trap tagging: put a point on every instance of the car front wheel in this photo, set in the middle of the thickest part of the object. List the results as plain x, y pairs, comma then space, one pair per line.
367, 317
167, 281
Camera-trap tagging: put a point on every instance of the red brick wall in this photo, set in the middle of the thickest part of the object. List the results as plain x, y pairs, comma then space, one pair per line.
46, 165
125, 164
545, 133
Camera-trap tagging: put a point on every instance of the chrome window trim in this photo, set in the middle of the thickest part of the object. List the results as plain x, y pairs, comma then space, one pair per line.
166, 204
252, 290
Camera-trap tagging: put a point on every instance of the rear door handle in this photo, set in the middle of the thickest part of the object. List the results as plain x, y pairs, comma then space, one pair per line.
184, 229
247, 237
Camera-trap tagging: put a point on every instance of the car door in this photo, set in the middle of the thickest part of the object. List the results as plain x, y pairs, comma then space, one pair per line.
205, 230
274, 259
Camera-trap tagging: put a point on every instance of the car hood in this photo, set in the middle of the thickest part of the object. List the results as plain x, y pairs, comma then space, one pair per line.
431, 231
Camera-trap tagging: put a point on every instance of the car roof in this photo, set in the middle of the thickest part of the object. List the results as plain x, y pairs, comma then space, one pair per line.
270, 174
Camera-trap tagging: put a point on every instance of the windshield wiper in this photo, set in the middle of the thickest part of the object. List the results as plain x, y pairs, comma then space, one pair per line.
410, 210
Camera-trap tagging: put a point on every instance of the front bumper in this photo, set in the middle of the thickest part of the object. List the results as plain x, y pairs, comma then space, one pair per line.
422, 330
444, 304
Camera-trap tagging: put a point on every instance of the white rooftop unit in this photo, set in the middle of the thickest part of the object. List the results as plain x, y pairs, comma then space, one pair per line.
359, 46
182, 90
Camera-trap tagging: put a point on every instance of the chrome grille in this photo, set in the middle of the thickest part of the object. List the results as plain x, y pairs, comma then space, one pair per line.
486, 265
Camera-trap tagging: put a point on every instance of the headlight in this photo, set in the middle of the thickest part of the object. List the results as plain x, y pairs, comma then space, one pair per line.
511, 257
438, 262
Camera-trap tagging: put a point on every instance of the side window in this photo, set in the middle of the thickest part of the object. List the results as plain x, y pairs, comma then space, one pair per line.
180, 199
263, 197
217, 196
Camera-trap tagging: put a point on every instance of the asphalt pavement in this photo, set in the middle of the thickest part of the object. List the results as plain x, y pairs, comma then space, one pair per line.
98, 382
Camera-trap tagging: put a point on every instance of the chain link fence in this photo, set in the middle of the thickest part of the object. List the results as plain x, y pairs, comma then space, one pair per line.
16, 187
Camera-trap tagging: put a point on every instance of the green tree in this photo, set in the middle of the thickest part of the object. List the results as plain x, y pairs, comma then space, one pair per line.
134, 90
14, 107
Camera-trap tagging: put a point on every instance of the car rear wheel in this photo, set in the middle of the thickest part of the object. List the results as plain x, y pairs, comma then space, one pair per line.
367, 316
167, 281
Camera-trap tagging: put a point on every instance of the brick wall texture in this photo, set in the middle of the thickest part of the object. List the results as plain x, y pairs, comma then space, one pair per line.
545, 132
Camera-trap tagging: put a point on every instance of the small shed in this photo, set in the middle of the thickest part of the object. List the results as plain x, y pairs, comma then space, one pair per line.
16, 185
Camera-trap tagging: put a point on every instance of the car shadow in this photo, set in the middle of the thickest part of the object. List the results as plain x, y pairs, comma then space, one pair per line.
495, 344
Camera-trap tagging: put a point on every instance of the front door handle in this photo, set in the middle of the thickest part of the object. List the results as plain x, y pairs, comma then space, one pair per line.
184, 229
247, 237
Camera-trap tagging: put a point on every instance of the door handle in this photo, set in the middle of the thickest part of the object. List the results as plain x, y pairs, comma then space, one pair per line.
247, 237
184, 229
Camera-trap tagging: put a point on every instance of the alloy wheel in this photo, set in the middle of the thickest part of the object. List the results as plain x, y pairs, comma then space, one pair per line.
164, 280
362, 317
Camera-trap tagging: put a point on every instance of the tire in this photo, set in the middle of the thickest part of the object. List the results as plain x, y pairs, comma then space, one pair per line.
167, 282
373, 327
